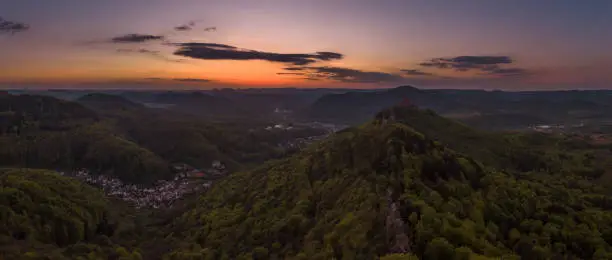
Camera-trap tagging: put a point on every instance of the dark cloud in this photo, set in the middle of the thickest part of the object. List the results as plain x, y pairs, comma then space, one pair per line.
11, 27
215, 51
325, 55
487, 65
415, 72
349, 75
185, 27
463, 63
295, 68
144, 51
210, 29
196, 45
136, 38
151, 53
509, 72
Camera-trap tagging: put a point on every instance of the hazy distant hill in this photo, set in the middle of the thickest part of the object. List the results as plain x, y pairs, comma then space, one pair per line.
100, 101
485, 109
201, 104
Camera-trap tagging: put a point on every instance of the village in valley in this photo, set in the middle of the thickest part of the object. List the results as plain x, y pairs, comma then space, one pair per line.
163, 193
187, 179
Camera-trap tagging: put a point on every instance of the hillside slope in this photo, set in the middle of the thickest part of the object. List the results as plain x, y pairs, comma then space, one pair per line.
46, 216
111, 135
508, 151
384, 188
44, 132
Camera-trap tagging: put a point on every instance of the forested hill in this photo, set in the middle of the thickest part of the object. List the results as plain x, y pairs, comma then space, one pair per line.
45, 132
47, 216
384, 189
508, 151
110, 135
29, 112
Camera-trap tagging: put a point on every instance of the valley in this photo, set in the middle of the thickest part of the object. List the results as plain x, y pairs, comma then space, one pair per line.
101, 176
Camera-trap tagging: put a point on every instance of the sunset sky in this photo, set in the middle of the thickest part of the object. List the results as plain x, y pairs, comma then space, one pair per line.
478, 44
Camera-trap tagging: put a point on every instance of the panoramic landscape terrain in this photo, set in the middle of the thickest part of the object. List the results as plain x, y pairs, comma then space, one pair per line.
392, 130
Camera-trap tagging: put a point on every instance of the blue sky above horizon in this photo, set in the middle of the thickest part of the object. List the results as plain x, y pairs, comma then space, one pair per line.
514, 45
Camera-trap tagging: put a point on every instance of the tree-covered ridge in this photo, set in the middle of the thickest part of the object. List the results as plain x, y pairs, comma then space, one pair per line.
94, 147
122, 138
383, 189
29, 113
479, 108
44, 132
508, 151
46, 216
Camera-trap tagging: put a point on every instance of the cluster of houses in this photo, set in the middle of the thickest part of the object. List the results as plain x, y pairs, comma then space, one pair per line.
163, 193
554, 127
217, 170
279, 127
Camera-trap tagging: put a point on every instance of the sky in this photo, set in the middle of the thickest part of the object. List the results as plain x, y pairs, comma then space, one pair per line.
471, 44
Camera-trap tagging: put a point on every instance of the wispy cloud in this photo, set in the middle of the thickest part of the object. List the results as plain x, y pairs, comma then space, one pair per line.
415, 72
486, 65
185, 27
508, 72
290, 73
191, 25
210, 29
187, 80
462, 63
345, 75
151, 53
11, 27
136, 38
192, 80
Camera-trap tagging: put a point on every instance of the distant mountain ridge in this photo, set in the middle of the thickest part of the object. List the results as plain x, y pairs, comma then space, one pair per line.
102, 101
475, 107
